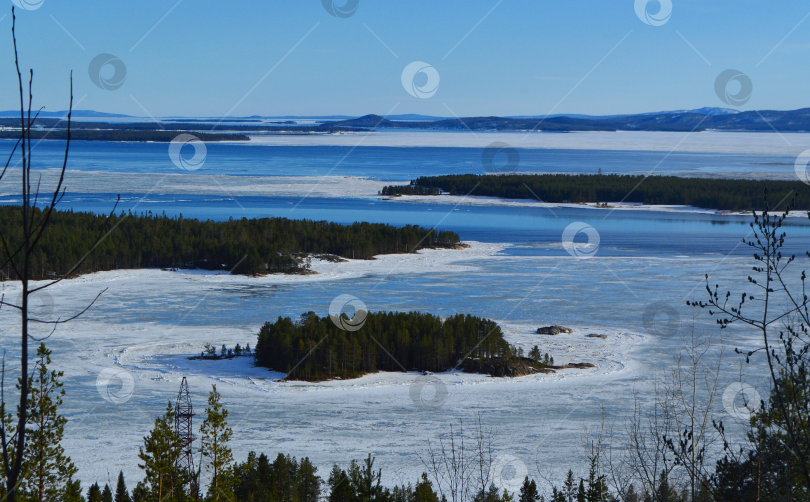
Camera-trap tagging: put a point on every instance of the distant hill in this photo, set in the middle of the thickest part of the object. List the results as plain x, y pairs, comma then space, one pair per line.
702, 119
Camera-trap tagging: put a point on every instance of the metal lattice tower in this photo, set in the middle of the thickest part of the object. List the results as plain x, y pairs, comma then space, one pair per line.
183, 413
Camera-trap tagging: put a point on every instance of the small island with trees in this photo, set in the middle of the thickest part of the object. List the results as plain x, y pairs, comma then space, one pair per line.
314, 349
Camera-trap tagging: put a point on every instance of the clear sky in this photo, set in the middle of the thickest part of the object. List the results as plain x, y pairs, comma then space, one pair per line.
522, 57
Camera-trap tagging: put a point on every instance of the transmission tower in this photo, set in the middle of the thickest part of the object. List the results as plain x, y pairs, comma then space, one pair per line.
183, 413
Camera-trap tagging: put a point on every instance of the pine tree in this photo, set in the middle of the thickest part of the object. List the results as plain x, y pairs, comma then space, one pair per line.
47, 469
308, 484
159, 455
215, 437
121, 493
365, 481
73, 491
106, 495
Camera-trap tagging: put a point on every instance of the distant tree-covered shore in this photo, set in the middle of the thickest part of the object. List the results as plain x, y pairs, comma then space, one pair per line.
121, 135
719, 194
245, 246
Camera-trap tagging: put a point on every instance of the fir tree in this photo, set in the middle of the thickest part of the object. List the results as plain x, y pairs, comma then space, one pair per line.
365, 481
106, 495
159, 455
215, 437
47, 469
121, 492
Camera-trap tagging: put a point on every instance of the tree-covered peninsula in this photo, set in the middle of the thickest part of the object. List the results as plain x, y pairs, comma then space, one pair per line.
243, 246
719, 194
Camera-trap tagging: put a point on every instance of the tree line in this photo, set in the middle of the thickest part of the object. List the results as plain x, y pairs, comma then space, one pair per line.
453, 472
720, 194
244, 246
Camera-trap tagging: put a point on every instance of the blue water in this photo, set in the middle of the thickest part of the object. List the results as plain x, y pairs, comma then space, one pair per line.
382, 163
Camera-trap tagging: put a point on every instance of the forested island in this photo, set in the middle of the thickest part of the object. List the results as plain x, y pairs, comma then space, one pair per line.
243, 246
392, 341
719, 194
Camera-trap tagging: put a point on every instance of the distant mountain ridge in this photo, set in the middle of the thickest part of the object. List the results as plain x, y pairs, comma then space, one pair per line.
702, 119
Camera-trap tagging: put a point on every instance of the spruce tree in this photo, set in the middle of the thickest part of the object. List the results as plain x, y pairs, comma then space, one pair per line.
159, 455
121, 492
424, 491
94, 493
215, 437
73, 491
46, 468
570, 487
581, 497
340, 488
106, 495
528, 492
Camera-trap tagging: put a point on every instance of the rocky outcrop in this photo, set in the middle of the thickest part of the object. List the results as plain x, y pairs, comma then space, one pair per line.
553, 330
594, 335
579, 366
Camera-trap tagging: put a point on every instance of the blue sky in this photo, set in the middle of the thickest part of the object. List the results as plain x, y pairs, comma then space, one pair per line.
525, 57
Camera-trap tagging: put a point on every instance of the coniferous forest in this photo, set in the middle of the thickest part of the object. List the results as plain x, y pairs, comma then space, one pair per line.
720, 194
412, 341
245, 246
